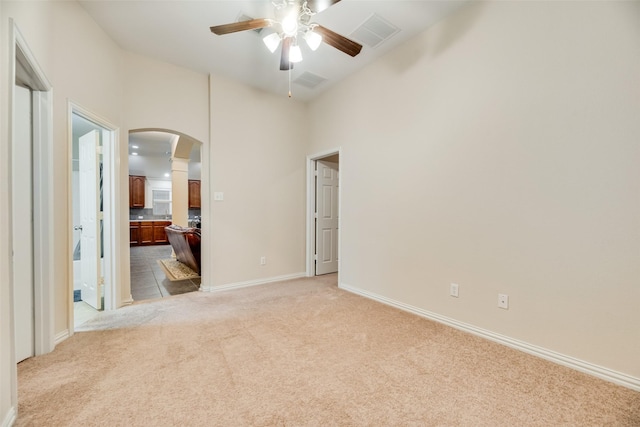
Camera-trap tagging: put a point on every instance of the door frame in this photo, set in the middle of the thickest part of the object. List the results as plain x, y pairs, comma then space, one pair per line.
22, 63
110, 208
43, 191
311, 197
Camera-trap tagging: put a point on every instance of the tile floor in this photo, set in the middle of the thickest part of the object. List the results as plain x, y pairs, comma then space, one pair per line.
148, 281
83, 312
147, 277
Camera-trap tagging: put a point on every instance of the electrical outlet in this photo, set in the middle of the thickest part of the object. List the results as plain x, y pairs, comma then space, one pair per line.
263, 260
503, 301
453, 290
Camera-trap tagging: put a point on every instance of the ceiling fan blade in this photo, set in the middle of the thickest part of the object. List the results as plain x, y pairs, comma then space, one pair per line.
339, 42
252, 24
285, 64
320, 5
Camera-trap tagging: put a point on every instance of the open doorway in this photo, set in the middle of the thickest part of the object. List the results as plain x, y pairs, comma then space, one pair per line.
92, 207
164, 190
323, 213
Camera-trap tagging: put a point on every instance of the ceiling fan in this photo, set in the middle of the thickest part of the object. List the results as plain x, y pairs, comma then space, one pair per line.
292, 20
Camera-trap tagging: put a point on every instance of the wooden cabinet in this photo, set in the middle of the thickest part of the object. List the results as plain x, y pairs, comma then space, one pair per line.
136, 191
159, 235
145, 237
148, 233
134, 233
194, 194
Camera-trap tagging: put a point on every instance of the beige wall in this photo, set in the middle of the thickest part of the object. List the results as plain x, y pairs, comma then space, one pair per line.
500, 151
164, 96
258, 144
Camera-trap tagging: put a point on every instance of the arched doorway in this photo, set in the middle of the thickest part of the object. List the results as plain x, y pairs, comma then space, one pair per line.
165, 175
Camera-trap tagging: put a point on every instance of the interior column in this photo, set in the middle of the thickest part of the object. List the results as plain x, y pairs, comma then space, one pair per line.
180, 191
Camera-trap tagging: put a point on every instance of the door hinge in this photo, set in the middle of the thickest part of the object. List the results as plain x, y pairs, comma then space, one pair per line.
315, 215
99, 149
315, 173
101, 281
315, 257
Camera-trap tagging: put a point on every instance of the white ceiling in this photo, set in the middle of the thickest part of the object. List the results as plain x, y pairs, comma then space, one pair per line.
153, 155
151, 144
178, 32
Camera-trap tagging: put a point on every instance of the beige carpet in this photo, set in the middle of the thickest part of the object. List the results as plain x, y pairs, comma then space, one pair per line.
175, 270
300, 353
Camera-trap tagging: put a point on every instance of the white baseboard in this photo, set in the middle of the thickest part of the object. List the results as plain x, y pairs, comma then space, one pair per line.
60, 336
248, 283
561, 359
10, 418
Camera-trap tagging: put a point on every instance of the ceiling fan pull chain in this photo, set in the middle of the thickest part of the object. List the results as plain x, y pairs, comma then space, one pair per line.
290, 80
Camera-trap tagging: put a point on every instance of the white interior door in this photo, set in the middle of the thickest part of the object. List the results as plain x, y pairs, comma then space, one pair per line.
90, 220
327, 188
22, 205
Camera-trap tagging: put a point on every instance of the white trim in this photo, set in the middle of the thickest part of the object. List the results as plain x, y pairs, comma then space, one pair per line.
257, 282
310, 215
205, 211
61, 336
11, 78
111, 206
43, 226
36, 74
561, 359
43, 193
10, 418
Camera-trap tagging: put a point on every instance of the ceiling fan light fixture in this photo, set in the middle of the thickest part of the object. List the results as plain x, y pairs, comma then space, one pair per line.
313, 39
292, 22
272, 41
295, 54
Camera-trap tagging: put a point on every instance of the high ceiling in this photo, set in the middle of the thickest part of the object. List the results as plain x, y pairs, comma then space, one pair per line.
178, 32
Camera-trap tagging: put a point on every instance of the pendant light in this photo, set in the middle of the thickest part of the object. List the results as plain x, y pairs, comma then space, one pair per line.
313, 39
272, 41
295, 54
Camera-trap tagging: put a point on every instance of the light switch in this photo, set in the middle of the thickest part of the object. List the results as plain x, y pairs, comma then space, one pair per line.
218, 196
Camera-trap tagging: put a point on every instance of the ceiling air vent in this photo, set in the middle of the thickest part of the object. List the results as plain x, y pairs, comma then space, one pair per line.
309, 80
374, 31
242, 17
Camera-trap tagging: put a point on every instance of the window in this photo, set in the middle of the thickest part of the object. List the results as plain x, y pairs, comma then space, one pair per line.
161, 202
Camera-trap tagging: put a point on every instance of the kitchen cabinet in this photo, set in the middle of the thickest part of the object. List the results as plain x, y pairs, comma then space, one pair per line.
145, 236
134, 233
194, 194
159, 235
136, 191
146, 233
